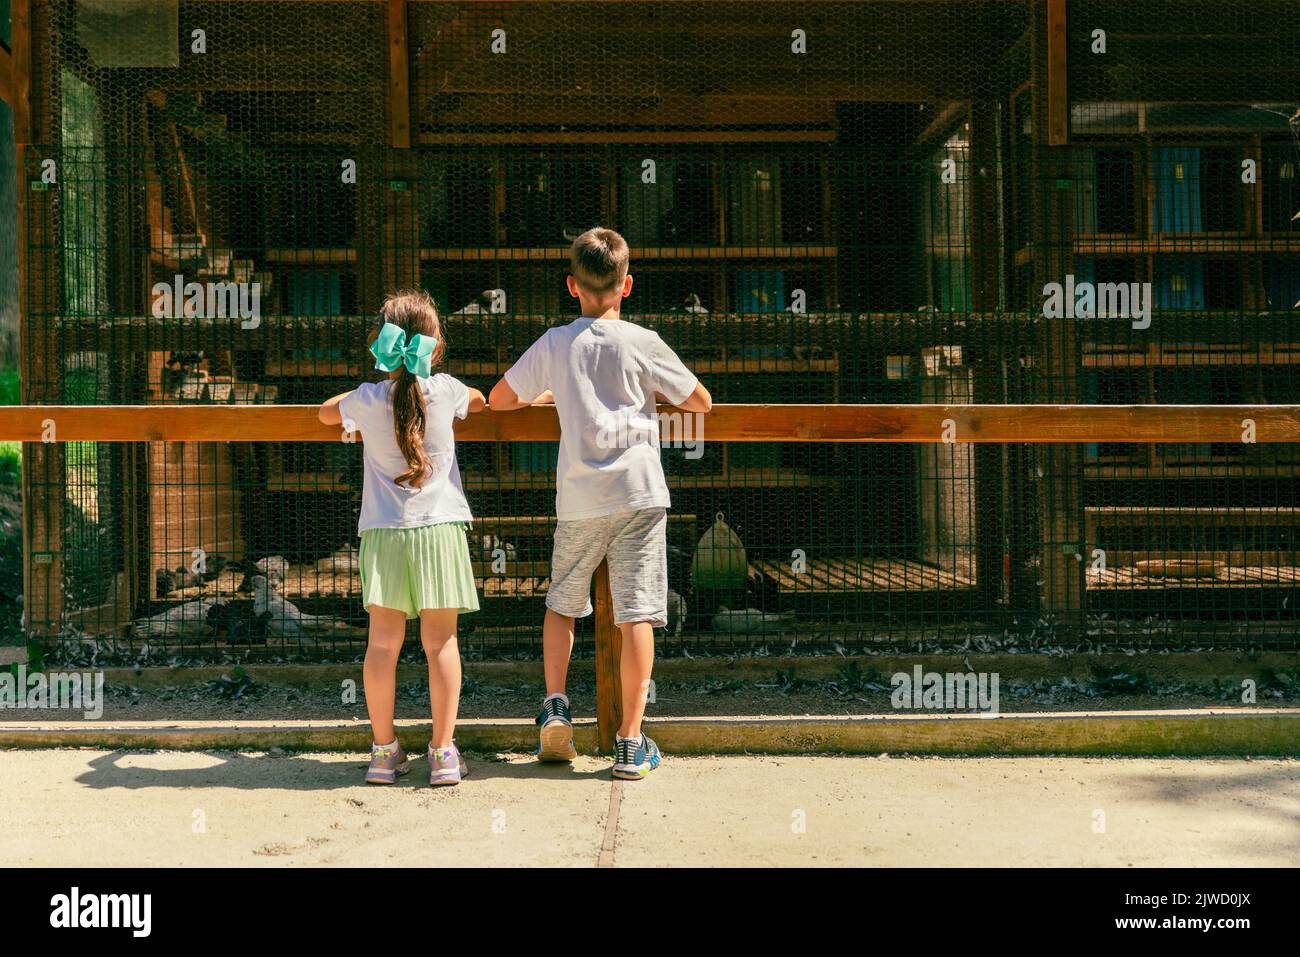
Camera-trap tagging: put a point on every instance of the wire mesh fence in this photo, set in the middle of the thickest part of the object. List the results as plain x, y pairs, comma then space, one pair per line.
826, 203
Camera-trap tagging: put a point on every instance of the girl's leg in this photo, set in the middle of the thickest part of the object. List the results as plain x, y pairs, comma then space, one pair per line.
387, 630
438, 635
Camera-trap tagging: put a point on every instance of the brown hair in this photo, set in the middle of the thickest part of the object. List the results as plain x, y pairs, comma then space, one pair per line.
414, 311
598, 259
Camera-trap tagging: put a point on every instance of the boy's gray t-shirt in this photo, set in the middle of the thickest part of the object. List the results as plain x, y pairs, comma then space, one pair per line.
604, 374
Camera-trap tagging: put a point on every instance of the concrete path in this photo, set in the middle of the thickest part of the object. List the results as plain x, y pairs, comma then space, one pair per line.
88, 807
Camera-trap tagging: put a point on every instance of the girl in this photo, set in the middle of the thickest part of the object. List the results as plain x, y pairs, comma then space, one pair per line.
414, 556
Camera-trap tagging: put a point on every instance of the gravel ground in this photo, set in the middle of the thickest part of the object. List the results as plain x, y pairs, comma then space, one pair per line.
779, 694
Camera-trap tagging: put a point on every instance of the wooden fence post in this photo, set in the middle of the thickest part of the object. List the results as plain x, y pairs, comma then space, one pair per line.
609, 650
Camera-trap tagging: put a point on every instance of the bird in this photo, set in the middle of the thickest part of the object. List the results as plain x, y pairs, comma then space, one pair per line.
274, 567
194, 618
676, 613
346, 559
751, 621
284, 619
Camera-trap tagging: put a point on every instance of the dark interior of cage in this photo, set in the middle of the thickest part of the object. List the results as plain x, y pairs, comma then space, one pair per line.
844, 245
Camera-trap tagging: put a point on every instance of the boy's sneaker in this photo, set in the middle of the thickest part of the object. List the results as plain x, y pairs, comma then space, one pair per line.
386, 763
556, 736
634, 759
446, 766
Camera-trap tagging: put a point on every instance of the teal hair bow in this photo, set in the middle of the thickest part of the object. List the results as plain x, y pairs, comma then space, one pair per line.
392, 351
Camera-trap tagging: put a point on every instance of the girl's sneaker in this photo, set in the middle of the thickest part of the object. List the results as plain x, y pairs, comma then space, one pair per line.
634, 759
386, 763
556, 737
446, 766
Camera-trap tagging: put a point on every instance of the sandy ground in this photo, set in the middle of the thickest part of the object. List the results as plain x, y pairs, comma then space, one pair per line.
90, 807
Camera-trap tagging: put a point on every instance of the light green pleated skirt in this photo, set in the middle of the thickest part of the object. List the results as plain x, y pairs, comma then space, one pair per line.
411, 569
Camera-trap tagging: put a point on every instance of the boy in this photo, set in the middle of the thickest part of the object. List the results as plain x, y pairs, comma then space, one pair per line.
611, 498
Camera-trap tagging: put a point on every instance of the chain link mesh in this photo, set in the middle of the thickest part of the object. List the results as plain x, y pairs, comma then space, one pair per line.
826, 202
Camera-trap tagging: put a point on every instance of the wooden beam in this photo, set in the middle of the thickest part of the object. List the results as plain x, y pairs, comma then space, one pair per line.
18, 72
40, 292
1033, 424
609, 652
1058, 104
470, 137
399, 77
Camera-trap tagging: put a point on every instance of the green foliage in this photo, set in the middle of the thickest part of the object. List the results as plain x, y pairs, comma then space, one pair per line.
9, 392
235, 685
787, 681
853, 679
11, 463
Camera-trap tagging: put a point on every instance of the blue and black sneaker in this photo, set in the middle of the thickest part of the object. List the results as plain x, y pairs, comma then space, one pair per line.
634, 759
556, 736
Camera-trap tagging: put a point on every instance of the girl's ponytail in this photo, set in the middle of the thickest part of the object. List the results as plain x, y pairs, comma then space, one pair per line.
408, 421
416, 314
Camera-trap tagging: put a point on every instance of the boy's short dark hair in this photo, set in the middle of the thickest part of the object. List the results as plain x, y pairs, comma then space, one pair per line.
598, 259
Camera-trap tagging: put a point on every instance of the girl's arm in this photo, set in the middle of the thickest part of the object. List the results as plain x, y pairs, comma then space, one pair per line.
329, 412
476, 401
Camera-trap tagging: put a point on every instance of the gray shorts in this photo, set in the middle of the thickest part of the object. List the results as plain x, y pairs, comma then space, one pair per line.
636, 545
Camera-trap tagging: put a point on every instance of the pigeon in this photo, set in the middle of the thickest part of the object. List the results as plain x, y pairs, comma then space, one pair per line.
752, 621
179, 577
345, 560
692, 306
676, 613
194, 618
239, 628
285, 620
274, 567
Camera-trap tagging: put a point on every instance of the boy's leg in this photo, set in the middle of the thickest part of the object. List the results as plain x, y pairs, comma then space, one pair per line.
635, 665
638, 582
579, 547
557, 648
387, 630
438, 635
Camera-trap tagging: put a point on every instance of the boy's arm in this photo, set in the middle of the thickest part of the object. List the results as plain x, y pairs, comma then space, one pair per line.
698, 401
503, 398
526, 382
675, 383
329, 412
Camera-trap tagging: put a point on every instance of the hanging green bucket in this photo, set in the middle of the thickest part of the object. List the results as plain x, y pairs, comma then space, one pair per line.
719, 563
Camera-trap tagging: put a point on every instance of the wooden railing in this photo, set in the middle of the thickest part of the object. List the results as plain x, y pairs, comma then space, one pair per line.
726, 423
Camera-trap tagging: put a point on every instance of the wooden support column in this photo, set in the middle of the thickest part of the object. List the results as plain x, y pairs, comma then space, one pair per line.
609, 651
986, 264
401, 252
1060, 483
1057, 118
40, 353
399, 78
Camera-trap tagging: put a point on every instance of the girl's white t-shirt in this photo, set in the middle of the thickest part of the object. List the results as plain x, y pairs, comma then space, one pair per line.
385, 504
